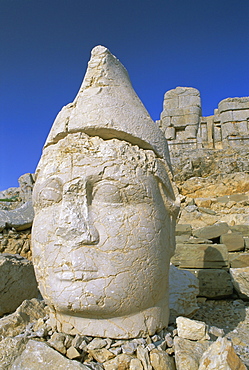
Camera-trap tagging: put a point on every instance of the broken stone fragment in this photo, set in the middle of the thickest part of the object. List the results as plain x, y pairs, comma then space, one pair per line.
37, 353
136, 364
10, 349
183, 229
28, 312
240, 279
239, 260
221, 355
211, 232
188, 353
20, 218
57, 342
160, 360
143, 356
191, 329
233, 242
121, 361
101, 354
97, 343
72, 353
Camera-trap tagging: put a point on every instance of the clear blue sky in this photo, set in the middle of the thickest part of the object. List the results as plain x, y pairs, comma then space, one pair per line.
45, 46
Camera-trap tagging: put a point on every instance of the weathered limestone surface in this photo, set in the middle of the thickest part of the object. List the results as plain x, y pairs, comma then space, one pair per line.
181, 114
221, 355
20, 218
183, 290
213, 283
213, 231
28, 312
200, 256
121, 361
157, 352
16, 209
188, 353
17, 282
202, 163
37, 354
217, 185
233, 242
191, 329
243, 229
185, 129
160, 360
10, 349
105, 211
238, 260
182, 229
240, 279
16, 242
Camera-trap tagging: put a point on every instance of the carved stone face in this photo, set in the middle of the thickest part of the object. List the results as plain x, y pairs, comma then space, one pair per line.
101, 230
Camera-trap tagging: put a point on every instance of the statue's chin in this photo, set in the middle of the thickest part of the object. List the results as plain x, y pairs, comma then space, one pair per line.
96, 310
142, 323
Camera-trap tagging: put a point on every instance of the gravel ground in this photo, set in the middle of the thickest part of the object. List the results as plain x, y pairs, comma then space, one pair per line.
233, 317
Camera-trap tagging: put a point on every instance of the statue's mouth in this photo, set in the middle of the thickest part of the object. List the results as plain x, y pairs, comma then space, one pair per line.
64, 273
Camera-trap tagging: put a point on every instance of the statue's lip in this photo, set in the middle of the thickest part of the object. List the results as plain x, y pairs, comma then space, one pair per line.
74, 274
77, 275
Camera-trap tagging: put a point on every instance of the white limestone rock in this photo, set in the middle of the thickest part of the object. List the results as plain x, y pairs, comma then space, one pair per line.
10, 349
136, 364
39, 355
191, 329
221, 356
28, 312
183, 290
160, 360
188, 353
143, 356
121, 361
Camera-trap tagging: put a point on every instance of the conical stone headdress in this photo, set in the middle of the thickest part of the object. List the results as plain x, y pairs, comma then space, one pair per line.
107, 106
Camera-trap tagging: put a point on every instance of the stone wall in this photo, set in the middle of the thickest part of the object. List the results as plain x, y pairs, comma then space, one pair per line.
185, 128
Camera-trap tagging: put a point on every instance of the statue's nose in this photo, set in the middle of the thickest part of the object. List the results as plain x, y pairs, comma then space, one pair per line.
75, 223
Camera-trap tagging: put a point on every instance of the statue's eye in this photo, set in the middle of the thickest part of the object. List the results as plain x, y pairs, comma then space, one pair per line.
50, 193
107, 193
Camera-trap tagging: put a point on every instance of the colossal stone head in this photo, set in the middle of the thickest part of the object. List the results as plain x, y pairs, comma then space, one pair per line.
105, 211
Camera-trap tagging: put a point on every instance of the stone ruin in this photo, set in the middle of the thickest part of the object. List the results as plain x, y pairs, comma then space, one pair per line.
184, 127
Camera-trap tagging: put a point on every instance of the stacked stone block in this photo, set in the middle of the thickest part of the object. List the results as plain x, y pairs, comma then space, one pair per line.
184, 127
209, 252
181, 114
234, 119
